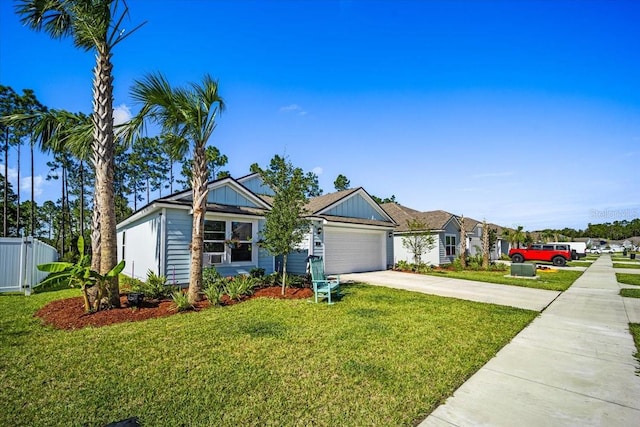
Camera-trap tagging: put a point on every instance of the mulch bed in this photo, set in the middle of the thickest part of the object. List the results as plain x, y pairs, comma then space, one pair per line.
69, 313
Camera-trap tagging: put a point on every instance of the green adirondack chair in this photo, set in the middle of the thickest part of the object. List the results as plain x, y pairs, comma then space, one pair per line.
323, 286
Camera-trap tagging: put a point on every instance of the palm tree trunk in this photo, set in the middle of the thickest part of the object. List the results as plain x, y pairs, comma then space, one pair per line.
103, 158
463, 244
82, 198
485, 245
95, 233
199, 191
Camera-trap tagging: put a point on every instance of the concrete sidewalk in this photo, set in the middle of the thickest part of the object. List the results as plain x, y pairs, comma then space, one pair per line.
514, 296
572, 366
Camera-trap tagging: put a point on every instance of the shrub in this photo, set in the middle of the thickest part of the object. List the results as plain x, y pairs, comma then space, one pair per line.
256, 272
155, 286
129, 283
210, 277
181, 301
273, 279
214, 293
403, 265
233, 289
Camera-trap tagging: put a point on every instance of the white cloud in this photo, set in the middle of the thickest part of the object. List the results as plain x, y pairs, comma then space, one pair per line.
121, 114
38, 182
11, 172
293, 108
317, 170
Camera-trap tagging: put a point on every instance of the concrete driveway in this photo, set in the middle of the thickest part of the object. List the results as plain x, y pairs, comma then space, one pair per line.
514, 296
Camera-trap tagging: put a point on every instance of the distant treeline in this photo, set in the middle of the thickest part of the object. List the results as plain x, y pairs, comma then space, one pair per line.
616, 230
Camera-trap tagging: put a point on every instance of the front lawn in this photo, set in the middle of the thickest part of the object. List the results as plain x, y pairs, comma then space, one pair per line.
554, 280
378, 357
629, 279
621, 265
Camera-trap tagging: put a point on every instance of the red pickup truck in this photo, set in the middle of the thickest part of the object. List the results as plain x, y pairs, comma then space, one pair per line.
556, 253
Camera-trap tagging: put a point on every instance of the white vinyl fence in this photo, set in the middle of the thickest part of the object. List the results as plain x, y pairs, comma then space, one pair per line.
19, 259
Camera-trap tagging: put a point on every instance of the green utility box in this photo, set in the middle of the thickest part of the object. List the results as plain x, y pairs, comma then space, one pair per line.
523, 269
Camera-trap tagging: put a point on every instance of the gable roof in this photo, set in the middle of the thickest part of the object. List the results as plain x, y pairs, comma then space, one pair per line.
435, 220
218, 183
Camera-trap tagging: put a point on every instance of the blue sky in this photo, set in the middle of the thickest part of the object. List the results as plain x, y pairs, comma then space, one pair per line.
518, 112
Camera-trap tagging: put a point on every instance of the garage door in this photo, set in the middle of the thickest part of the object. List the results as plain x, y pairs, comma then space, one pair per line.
351, 250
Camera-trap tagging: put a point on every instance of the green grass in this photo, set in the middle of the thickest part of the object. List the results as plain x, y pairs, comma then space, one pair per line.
630, 293
559, 280
578, 263
635, 331
620, 265
377, 357
624, 258
629, 279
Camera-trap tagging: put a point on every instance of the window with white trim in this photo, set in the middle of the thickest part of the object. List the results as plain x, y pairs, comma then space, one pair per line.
214, 235
450, 245
241, 233
227, 242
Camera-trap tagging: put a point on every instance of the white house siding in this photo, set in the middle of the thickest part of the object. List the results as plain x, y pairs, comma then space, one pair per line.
431, 257
139, 246
349, 250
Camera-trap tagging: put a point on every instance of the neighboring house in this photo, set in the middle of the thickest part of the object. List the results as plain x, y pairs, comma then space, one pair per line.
348, 229
444, 227
474, 239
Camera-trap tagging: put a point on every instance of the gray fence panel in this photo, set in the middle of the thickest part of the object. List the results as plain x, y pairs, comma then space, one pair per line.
10, 263
19, 259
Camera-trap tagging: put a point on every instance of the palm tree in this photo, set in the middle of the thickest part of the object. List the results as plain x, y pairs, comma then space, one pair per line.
94, 25
516, 236
188, 118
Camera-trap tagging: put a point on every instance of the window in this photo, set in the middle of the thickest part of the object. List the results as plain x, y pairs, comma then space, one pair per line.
214, 233
242, 233
227, 241
124, 239
450, 245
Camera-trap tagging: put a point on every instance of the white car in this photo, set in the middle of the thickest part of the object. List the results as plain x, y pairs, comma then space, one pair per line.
595, 251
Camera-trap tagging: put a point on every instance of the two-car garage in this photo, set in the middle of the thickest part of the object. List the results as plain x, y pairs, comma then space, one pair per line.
351, 249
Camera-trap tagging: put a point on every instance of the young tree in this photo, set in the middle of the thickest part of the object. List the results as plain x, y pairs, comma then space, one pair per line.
418, 240
189, 117
341, 183
285, 225
93, 26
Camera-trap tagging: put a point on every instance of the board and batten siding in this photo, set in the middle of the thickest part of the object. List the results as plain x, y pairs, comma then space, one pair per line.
226, 195
356, 207
178, 238
139, 246
257, 186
